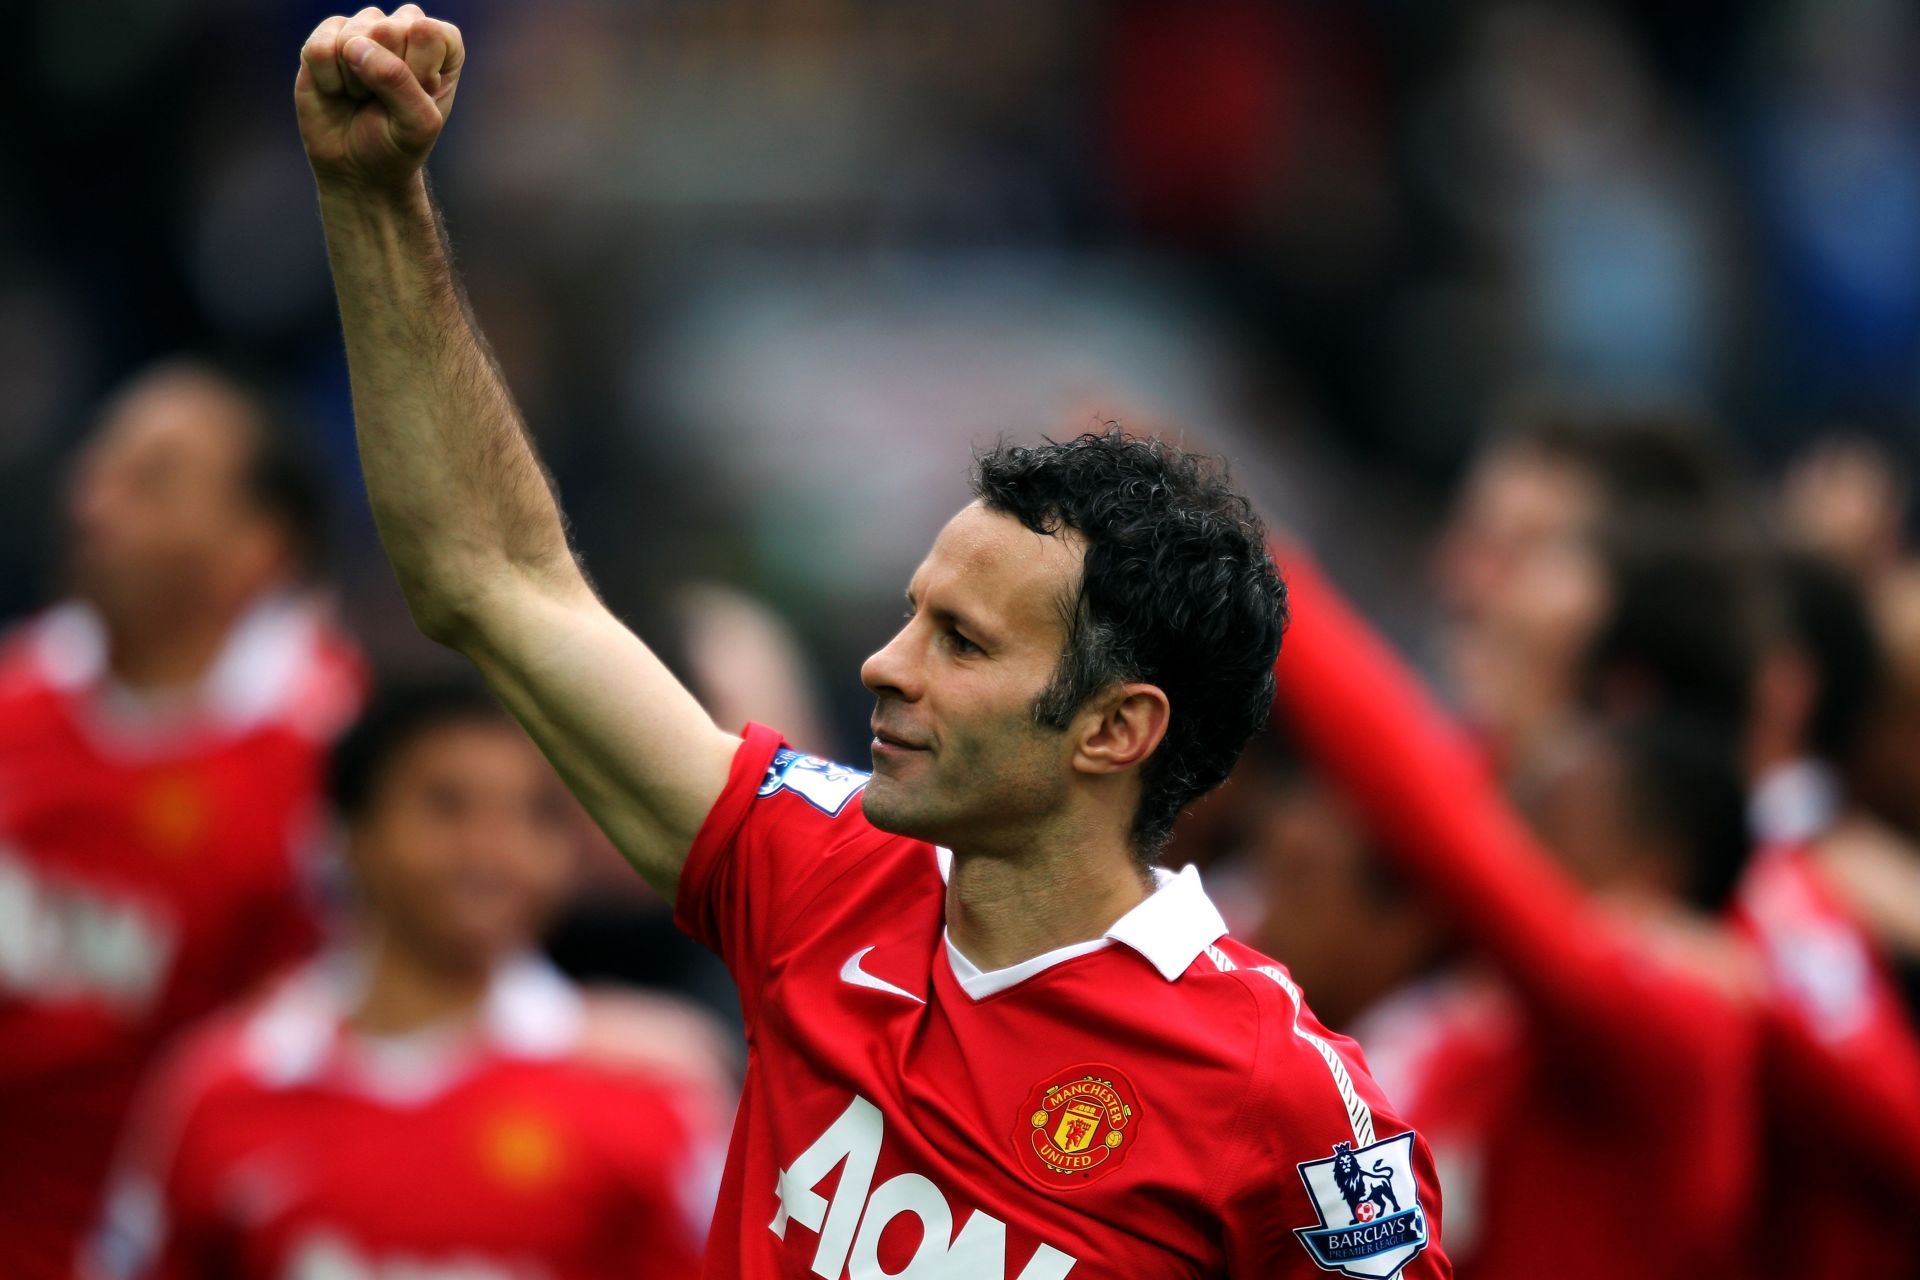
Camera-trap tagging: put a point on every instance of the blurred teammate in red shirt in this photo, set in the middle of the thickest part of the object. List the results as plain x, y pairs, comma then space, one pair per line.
431, 1100
160, 739
1815, 689
1594, 1109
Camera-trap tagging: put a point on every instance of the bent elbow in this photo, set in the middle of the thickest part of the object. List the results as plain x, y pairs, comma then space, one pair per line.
440, 620
444, 608
462, 611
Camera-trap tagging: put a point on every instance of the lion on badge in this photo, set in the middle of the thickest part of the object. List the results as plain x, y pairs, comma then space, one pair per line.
1360, 1186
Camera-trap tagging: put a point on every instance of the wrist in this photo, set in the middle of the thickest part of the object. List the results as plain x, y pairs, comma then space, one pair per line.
359, 198
362, 219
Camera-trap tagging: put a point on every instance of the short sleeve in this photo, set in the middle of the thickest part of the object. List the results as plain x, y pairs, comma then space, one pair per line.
782, 827
1328, 1178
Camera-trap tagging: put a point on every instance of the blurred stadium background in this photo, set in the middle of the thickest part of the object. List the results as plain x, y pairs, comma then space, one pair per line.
760, 273
735, 254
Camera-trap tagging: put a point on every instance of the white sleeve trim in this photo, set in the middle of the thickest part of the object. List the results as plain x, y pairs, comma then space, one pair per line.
1358, 1113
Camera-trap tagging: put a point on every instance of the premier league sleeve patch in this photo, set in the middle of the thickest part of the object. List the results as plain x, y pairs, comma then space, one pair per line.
821, 783
1371, 1222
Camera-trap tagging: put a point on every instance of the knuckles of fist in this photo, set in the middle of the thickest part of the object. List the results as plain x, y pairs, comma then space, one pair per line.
422, 48
405, 60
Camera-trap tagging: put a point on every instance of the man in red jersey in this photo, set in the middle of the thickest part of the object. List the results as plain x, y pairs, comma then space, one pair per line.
160, 737
988, 1041
430, 1100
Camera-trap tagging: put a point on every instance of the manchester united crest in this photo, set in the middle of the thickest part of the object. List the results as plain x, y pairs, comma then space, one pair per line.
1079, 1124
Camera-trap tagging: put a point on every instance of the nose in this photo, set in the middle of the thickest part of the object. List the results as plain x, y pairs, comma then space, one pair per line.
892, 670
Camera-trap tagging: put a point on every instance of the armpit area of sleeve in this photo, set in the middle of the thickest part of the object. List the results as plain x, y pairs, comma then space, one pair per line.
692, 900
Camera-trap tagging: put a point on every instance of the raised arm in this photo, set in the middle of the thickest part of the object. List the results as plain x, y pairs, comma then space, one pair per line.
465, 509
1366, 718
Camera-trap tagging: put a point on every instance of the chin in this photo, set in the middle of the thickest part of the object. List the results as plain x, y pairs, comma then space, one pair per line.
893, 812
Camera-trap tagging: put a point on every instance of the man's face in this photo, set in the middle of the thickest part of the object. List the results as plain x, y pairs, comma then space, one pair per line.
957, 754
159, 516
1525, 590
1519, 507
466, 847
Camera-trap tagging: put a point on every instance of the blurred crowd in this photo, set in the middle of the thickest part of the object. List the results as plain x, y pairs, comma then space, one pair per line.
723, 247
1580, 342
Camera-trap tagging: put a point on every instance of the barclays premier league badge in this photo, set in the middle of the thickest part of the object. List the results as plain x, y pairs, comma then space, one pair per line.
821, 783
1371, 1223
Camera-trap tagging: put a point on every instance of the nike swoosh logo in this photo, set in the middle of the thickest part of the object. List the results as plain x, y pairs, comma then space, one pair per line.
853, 975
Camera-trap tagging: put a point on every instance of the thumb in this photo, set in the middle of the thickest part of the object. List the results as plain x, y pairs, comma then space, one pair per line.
414, 120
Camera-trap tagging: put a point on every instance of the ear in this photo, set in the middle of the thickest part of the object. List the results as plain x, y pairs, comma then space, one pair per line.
1125, 726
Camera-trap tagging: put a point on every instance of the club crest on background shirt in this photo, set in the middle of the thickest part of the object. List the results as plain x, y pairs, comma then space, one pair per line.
522, 1150
1079, 1122
1371, 1222
821, 783
172, 814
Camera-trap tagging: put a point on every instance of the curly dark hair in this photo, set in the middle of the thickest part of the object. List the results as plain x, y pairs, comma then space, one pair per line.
1176, 590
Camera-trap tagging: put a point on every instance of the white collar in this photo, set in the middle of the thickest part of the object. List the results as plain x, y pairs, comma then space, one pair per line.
250, 680
1794, 802
1171, 927
531, 1011
980, 983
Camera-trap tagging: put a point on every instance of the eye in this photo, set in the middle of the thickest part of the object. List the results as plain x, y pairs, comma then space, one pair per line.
961, 644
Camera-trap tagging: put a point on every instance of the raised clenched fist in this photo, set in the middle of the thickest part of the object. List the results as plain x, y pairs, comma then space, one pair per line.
373, 93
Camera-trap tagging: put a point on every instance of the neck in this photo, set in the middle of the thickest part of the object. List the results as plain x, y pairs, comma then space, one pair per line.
1769, 751
1002, 911
153, 659
405, 993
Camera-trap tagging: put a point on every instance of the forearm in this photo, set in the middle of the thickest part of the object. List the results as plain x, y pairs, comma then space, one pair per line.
461, 500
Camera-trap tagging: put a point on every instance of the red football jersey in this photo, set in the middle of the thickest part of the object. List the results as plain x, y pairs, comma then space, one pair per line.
147, 874
1155, 1103
279, 1145
1832, 988
1604, 1117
